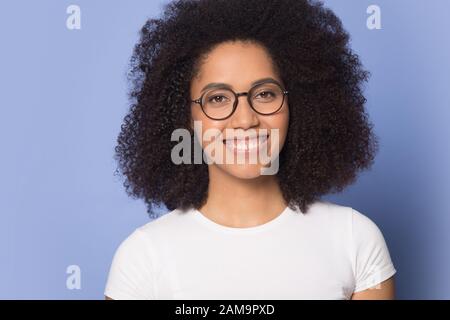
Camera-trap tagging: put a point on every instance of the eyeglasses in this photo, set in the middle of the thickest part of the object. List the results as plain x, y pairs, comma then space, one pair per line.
264, 98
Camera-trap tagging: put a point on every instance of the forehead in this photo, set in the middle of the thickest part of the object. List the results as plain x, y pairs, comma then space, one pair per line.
237, 63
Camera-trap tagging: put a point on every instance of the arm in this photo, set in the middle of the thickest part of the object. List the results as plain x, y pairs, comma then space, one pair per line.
131, 272
383, 291
374, 270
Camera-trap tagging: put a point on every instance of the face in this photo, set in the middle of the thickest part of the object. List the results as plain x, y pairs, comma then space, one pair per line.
240, 139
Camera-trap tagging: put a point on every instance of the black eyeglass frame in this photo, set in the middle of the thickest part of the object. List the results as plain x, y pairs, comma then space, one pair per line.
248, 94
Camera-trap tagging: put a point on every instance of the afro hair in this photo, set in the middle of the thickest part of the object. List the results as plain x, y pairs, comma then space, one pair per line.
329, 138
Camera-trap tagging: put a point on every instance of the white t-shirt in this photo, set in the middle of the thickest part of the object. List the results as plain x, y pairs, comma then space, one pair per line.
328, 253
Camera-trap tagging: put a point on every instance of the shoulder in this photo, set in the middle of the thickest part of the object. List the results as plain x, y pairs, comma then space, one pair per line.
367, 237
362, 229
333, 212
329, 213
142, 239
170, 223
345, 221
327, 209
136, 263
371, 256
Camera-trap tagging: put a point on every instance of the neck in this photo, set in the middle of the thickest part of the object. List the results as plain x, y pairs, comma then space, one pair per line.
238, 202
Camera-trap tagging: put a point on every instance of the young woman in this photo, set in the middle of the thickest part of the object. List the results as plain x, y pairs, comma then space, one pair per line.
265, 75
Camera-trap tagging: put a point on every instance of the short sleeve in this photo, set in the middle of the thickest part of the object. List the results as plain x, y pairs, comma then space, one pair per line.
131, 274
372, 261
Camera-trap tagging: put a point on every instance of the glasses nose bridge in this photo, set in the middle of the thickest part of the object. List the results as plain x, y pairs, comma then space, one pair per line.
238, 94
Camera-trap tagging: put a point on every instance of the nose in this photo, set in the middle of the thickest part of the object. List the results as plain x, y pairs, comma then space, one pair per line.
244, 116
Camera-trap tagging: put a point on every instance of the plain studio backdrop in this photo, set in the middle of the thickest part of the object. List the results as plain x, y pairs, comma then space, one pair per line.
63, 97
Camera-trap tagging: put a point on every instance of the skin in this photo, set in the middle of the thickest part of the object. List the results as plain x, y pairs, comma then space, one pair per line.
256, 198
383, 291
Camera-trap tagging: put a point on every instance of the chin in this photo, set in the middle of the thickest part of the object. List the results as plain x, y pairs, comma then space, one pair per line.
242, 171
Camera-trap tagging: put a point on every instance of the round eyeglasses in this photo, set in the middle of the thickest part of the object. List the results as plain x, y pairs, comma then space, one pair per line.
220, 103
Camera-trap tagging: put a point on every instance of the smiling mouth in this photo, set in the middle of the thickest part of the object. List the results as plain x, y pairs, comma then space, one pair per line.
246, 144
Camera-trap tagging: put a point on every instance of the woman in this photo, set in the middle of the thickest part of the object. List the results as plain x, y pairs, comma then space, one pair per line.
274, 76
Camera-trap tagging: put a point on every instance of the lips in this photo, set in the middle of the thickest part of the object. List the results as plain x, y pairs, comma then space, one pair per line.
246, 144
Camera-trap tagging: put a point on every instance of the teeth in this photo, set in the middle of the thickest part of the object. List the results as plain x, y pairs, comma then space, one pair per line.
245, 145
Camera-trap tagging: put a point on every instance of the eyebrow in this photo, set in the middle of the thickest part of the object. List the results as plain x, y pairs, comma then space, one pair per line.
226, 85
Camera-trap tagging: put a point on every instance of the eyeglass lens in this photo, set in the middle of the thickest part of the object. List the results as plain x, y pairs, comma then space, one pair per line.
265, 98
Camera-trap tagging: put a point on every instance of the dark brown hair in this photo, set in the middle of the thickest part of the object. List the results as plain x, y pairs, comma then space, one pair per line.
329, 138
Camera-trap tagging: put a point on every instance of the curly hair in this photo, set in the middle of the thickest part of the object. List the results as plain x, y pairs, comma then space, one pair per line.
329, 136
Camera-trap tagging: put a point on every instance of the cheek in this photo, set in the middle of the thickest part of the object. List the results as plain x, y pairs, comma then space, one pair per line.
201, 123
196, 114
284, 124
280, 122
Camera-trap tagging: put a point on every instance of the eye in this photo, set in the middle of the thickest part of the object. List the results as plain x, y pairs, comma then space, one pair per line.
266, 94
213, 98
